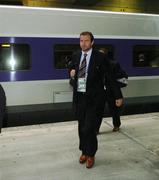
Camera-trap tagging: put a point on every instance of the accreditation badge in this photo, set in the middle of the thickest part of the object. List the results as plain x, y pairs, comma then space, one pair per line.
82, 84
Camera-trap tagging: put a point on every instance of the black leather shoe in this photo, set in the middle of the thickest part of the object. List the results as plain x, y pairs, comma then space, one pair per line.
116, 129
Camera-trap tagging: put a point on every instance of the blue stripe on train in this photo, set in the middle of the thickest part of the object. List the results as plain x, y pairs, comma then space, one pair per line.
42, 57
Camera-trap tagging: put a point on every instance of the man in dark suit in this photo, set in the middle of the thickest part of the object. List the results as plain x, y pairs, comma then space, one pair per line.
115, 111
2, 105
87, 70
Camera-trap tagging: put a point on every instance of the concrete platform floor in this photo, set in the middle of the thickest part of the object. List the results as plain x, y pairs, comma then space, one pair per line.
50, 151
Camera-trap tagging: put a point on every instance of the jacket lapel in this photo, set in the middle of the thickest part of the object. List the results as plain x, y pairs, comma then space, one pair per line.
78, 61
91, 63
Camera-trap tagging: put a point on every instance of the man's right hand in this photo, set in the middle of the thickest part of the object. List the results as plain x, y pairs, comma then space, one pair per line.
119, 102
72, 73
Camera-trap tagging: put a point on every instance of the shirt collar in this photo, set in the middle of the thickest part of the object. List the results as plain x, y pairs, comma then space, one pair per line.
88, 52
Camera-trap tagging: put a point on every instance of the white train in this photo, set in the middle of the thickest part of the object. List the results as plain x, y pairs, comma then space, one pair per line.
35, 44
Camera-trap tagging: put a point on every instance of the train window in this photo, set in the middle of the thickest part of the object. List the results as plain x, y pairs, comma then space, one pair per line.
107, 49
63, 52
14, 57
146, 56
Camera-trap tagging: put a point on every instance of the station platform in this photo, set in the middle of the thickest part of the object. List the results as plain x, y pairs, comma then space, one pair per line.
50, 151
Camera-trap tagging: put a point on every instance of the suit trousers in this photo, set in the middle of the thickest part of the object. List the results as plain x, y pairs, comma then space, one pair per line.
86, 115
113, 109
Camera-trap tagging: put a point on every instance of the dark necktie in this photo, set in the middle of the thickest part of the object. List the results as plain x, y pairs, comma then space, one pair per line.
82, 68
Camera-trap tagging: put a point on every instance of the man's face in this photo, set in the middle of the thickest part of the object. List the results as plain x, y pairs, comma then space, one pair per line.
85, 43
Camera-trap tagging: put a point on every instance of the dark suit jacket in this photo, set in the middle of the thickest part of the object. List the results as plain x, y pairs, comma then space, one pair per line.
2, 105
98, 70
